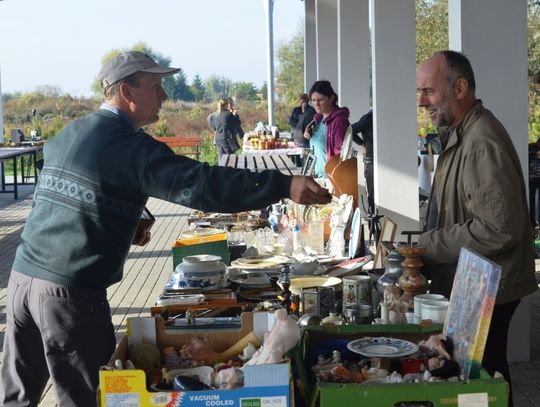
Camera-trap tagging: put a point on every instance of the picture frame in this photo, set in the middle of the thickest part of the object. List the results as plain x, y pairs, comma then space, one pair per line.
385, 242
309, 165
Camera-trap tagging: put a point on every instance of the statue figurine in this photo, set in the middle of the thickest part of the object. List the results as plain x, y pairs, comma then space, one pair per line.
396, 307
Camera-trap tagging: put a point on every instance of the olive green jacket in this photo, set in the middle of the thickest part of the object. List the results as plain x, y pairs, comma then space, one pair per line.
481, 200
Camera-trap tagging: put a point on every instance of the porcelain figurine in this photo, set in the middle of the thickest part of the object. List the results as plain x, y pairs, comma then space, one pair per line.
278, 341
396, 307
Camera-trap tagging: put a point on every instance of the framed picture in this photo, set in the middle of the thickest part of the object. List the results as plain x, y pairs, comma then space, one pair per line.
385, 243
309, 165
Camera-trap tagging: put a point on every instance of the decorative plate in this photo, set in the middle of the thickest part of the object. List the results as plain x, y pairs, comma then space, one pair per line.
249, 280
356, 233
382, 347
262, 261
348, 267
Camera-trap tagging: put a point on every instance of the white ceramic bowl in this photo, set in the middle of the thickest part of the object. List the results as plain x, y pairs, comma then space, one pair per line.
201, 263
435, 310
420, 298
206, 278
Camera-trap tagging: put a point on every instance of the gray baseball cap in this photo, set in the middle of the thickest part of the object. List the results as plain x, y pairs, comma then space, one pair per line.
128, 63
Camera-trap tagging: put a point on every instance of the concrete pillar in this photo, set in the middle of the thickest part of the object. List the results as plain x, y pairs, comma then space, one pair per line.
394, 119
310, 45
493, 34
326, 14
1, 112
269, 14
354, 82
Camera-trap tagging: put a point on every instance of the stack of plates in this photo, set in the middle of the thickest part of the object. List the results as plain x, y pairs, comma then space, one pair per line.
268, 264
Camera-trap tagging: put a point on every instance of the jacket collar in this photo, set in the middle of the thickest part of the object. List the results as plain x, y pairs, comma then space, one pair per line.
339, 111
451, 136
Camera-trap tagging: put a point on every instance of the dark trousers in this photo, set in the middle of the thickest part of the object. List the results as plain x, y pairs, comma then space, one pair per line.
497, 343
64, 333
368, 174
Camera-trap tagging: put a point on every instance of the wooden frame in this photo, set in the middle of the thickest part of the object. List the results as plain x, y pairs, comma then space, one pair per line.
385, 242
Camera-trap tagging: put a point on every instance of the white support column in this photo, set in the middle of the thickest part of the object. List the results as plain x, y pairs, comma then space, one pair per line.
354, 83
394, 119
493, 35
326, 13
269, 12
1, 111
310, 45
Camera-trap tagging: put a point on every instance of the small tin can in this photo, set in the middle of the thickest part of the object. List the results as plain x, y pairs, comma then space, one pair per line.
318, 301
356, 291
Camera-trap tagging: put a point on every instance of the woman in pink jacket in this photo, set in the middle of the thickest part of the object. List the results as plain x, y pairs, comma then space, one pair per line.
327, 131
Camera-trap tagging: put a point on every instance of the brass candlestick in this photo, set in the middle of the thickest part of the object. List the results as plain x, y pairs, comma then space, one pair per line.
412, 282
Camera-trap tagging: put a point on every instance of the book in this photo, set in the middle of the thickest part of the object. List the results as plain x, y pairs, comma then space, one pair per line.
471, 306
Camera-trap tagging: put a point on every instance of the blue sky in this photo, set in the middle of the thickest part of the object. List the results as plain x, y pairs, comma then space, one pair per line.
61, 42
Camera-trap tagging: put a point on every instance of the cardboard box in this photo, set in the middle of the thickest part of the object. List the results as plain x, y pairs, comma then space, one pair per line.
441, 394
264, 385
211, 244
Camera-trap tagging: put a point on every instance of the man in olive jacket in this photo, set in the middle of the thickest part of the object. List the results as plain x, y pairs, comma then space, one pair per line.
479, 195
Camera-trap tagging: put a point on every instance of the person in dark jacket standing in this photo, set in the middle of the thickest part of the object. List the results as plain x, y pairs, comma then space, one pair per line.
478, 197
238, 123
97, 176
225, 125
362, 132
301, 116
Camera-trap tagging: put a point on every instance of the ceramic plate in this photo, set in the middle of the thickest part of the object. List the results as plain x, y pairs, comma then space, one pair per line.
348, 267
329, 260
262, 260
299, 283
248, 280
382, 347
356, 226
202, 258
267, 264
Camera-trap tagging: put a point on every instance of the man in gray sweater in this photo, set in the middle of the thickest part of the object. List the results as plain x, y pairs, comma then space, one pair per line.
97, 177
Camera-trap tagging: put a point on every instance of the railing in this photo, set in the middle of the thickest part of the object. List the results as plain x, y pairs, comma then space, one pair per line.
188, 145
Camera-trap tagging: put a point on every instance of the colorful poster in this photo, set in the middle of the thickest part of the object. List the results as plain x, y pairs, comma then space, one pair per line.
471, 306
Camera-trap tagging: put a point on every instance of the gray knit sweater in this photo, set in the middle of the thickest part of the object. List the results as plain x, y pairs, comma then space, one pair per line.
97, 177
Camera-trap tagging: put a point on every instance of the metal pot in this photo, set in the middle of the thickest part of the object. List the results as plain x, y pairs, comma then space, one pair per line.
392, 272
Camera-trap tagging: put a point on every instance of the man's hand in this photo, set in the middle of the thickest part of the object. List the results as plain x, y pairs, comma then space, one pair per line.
305, 191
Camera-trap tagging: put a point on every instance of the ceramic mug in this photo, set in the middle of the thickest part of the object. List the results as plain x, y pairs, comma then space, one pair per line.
435, 310
356, 291
419, 299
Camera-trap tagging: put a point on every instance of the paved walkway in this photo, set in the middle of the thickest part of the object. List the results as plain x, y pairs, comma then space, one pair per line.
147, 269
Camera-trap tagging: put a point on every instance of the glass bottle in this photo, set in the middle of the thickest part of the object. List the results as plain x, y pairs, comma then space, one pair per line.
316, 233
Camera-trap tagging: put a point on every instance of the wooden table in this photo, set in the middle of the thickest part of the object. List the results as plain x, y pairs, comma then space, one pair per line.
13, 154
276, 151
258, 163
